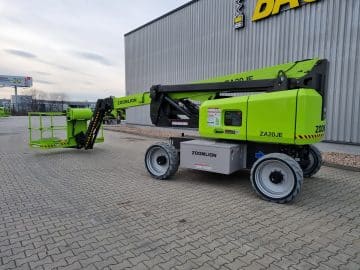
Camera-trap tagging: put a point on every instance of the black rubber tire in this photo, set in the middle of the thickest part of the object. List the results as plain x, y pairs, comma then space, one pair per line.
316, 165
294, 168
172, 158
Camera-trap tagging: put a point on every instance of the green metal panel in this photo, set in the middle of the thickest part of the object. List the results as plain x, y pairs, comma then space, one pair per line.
286, 117
310, 128
271, 117
79, 114
212, 118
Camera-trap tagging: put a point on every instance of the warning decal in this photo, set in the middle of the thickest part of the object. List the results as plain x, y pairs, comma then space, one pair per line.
214, 117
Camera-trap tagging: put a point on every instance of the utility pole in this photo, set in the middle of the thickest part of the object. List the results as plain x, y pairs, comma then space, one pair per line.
16, 107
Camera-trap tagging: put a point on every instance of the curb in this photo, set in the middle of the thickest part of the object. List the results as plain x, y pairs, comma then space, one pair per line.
342, 167
158, 134
135, 133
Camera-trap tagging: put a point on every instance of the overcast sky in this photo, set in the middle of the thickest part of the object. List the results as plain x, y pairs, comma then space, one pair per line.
72, 46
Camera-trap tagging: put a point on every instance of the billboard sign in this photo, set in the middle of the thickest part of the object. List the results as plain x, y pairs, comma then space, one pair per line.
17, 81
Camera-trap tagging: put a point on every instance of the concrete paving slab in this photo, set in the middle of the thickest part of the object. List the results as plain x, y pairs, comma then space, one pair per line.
99, 209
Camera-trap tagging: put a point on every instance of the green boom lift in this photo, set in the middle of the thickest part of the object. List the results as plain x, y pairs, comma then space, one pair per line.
270, 128
4, 112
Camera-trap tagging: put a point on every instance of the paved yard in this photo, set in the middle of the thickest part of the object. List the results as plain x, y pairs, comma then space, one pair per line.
99, 209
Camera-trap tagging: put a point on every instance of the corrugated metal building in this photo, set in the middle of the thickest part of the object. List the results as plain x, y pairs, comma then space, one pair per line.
199, 41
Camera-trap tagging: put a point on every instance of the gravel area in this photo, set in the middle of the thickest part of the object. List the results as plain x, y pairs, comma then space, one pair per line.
342, 159
329, 158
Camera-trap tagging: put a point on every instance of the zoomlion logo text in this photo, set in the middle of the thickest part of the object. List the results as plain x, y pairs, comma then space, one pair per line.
131, 100
205, 154
267, 8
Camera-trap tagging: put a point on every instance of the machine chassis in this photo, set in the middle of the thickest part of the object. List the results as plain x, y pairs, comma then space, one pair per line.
277, 170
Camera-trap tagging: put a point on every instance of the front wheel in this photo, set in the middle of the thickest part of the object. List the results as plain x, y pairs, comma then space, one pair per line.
161, 160
314, 162
277, 177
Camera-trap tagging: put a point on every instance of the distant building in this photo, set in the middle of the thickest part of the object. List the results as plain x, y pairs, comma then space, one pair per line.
59, 106
5, 103
27, 104
21, 103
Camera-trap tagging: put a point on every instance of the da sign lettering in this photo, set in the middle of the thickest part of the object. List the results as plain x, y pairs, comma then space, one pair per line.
267, 8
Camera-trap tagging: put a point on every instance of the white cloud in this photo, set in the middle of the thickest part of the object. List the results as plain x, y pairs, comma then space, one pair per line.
78, 44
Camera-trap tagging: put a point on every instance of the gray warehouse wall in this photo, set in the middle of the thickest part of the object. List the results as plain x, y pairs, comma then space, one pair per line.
199, 42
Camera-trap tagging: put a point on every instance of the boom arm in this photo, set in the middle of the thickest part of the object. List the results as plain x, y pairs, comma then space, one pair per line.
140, 99
178, 105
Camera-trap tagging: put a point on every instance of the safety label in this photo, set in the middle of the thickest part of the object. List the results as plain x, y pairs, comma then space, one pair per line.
214, 117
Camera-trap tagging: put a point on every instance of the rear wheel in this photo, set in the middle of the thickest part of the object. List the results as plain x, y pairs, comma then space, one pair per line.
161, 160
315, 162
277, 177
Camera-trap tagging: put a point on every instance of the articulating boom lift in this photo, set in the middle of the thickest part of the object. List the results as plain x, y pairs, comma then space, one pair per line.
270, 132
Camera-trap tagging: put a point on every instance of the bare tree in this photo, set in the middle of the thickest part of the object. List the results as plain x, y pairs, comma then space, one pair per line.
57, 96
42, 95
36, 94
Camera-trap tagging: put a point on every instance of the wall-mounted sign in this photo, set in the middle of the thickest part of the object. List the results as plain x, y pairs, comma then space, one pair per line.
267, 8
239, 18
18, 81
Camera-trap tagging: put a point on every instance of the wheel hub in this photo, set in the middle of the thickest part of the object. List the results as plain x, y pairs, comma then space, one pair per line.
161, 160
276, 177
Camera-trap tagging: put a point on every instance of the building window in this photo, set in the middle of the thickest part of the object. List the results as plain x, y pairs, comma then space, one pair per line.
233, 118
